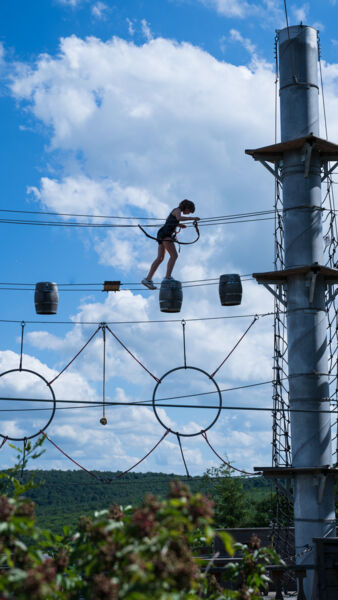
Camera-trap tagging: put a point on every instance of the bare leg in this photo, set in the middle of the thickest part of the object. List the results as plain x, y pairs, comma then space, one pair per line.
170, 247
157, 261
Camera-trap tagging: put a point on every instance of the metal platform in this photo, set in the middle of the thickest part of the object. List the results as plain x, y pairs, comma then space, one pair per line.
279, 277
282, 472
274, 153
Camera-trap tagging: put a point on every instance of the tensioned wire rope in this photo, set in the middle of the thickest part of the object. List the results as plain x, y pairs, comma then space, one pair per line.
81, 287
148, 403
135, 218
5, 287
65, 286
137, 322
75, 224
204, 221
332, 234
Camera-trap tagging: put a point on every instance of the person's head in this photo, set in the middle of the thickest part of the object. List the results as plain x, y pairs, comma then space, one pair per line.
187, 206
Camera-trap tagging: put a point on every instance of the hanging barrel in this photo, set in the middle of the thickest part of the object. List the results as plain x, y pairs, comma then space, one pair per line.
230, 289
46, 298
171, 296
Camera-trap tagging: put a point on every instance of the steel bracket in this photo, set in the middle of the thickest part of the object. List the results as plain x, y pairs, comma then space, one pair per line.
307, 149
274, 171
277, 295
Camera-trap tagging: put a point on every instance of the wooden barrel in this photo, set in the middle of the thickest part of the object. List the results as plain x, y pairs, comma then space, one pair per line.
171, 296
230, 289
46, 298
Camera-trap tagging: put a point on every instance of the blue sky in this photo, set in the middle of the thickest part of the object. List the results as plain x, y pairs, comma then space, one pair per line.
125, 108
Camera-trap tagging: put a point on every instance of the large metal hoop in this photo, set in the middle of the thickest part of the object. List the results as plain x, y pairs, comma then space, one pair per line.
29, 437
163, 406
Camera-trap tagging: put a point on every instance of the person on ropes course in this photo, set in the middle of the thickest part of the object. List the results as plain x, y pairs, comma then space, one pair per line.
166, 236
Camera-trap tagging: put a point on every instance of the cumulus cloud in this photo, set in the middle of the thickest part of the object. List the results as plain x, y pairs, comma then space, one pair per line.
146, 30
99, 10
232, 8
96, 197
236, 36
300, 13
72, 3
146, 126
153, 124
131, 26
265, 11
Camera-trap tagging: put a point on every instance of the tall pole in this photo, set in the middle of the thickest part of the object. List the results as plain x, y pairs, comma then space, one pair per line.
314, 511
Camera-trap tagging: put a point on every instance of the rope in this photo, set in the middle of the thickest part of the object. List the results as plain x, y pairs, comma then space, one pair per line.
21, 347
235, 346
76, 355
224, 461
290, 49
181, 449
23, 458
3, 441
69, 457
322, 86
269, 314
174, 240
104, 374
269, 409
142, 459
184, 348
131, 354
276, 87
101, 479
133, 218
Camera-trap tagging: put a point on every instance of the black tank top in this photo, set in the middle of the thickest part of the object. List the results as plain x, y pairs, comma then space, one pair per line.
171, 223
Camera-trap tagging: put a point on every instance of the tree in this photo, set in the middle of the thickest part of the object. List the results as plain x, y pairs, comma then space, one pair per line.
119, 554
231, 506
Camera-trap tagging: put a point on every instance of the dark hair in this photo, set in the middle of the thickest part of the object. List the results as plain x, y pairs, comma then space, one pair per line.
187, 205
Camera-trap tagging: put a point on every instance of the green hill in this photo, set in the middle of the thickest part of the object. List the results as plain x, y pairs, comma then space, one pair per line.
63, 496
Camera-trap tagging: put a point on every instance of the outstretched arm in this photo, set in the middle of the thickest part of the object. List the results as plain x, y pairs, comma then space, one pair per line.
189, 219
177, 214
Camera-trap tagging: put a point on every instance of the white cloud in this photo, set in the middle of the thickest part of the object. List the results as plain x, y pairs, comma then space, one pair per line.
99, 10
146, 30
72, 3
300, 13
267, 11
165, 109
236, 36
232, 8
99, 197
131, 27
2, 53
153, 124
145, 119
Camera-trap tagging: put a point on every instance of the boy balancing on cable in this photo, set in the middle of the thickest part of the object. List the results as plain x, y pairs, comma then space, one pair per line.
166, 240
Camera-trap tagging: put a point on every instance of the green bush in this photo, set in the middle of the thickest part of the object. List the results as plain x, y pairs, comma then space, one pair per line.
134, 554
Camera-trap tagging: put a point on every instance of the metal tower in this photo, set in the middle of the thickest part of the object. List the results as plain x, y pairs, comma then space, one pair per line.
303, 288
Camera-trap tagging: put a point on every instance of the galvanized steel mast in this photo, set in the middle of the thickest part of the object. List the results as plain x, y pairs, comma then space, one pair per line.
300, 160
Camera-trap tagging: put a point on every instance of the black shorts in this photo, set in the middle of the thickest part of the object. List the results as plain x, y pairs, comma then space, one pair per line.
165, 232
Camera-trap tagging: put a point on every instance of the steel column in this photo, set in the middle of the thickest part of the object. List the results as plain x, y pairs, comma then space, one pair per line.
314, 512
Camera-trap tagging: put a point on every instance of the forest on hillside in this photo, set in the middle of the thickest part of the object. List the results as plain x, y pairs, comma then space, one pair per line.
61, 497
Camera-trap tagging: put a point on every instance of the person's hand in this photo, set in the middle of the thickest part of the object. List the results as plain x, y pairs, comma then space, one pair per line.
183, 226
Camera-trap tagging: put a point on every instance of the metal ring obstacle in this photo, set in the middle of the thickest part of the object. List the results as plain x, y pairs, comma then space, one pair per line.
178, 433
29, 437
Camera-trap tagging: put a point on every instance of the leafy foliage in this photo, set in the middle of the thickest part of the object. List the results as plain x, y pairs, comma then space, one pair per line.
62, 496
227, 492
131, 553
